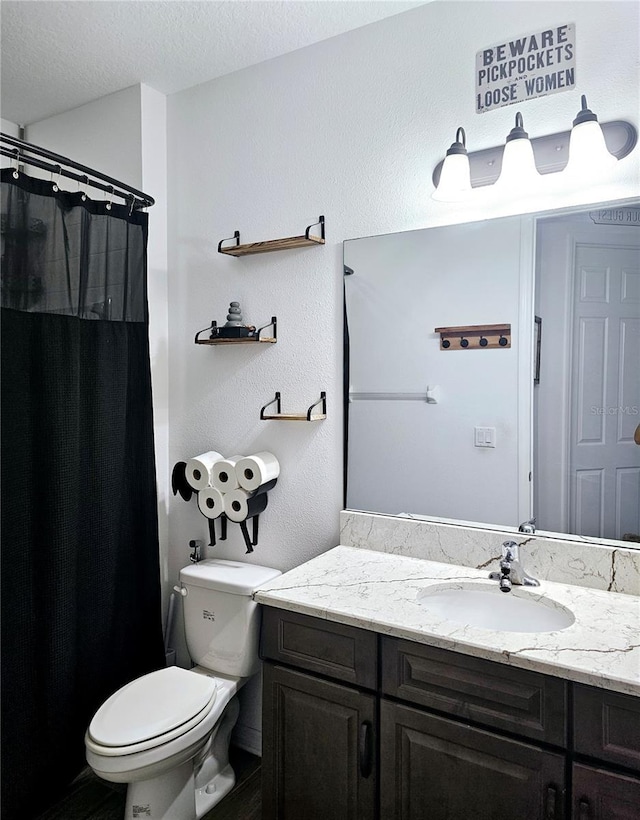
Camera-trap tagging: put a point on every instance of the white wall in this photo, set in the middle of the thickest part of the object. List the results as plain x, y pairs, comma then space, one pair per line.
123, 135
104, 134
153, 136
351, 128
10, 128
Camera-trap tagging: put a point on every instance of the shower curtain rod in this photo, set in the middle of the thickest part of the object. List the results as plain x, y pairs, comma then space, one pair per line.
19, 150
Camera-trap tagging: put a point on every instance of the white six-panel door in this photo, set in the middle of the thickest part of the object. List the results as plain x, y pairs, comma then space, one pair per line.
604, 461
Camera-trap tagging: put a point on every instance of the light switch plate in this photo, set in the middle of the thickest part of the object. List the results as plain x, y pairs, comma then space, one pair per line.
484, 436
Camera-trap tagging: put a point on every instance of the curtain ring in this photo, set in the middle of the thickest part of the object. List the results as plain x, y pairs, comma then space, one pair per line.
55, 182
110, 202
83, 194
16, 170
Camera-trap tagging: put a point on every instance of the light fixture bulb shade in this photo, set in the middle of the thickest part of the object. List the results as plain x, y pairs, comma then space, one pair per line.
455, 179
519, 173
588, 152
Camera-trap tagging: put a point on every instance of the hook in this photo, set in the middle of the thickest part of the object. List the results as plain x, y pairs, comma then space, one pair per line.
55, 182
16, 170
503, 341
133, 202
483, 342
464, 342
110, 202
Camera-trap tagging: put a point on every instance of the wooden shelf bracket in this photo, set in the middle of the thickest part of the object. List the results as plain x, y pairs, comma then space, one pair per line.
215, 338
306, 240
308, 416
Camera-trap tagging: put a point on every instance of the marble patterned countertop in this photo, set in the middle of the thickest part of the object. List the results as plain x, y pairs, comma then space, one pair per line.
379, 591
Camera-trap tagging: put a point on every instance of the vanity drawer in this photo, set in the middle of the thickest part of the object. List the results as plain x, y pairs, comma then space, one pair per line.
606, 725
342, 652
526, 703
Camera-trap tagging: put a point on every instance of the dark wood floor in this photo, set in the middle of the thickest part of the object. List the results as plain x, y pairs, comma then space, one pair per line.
90, 798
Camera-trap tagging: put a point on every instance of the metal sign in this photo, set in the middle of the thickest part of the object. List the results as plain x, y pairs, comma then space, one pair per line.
526, 67
616, 216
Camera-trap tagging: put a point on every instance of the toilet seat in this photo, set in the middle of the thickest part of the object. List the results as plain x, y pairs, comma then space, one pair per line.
151, 711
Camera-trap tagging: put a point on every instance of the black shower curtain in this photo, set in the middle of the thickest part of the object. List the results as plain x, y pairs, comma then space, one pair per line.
80, 566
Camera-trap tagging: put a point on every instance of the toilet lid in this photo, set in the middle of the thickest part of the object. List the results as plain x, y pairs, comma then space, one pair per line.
151, 706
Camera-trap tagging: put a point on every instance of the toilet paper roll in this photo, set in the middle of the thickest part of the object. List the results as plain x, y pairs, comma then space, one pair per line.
198, 469
223, 475
240, 505
211, 502
257, 469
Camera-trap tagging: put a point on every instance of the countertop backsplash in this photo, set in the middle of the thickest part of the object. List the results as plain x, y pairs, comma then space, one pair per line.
580, 561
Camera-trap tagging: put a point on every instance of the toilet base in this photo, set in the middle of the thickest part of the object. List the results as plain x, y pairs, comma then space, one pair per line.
170, 795
211, 794
174, 795
188, 791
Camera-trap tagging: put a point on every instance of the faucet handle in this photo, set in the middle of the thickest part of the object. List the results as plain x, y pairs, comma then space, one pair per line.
510, 551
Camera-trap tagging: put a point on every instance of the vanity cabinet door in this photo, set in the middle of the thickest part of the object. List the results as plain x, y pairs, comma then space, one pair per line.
319, 749
602, 795
607, 726
432, 767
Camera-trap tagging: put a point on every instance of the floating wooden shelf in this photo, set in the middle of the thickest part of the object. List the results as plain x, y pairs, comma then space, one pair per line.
288, 243
308, 416
256, 335
474, 337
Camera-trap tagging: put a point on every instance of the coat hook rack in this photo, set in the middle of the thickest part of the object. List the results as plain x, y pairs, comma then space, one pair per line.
308, 416
474, 337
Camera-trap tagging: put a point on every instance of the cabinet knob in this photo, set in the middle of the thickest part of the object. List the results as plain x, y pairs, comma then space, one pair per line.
584, 809
551, 803
365, 748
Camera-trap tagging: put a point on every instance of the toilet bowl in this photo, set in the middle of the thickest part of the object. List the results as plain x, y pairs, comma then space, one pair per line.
167, 733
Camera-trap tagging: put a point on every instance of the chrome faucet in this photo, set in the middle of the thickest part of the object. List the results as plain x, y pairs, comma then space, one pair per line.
528, 526
511, 570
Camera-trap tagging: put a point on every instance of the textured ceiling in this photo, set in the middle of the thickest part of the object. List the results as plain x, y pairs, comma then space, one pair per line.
59, 54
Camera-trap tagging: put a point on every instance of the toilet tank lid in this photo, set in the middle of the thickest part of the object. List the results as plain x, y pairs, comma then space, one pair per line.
227, 576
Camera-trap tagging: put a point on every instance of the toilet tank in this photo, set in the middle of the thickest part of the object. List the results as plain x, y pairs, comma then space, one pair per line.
221, 620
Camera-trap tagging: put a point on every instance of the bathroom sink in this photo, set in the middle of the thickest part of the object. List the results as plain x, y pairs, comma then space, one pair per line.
482, 604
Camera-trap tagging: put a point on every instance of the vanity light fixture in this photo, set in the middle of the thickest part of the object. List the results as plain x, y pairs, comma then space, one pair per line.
588, 152
519, 172
601, 143
454, 182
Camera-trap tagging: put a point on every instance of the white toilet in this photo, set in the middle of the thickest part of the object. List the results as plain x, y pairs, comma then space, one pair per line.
167, 733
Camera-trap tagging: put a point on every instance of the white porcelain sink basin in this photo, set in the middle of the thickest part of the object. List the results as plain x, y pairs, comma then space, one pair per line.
482, 604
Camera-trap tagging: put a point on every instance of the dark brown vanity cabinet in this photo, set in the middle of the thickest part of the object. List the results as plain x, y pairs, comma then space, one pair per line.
452, 761
319, 758
358, 726
607, 728
460, 771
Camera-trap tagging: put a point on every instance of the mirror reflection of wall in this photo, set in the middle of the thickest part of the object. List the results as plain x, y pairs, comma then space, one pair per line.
406, 455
